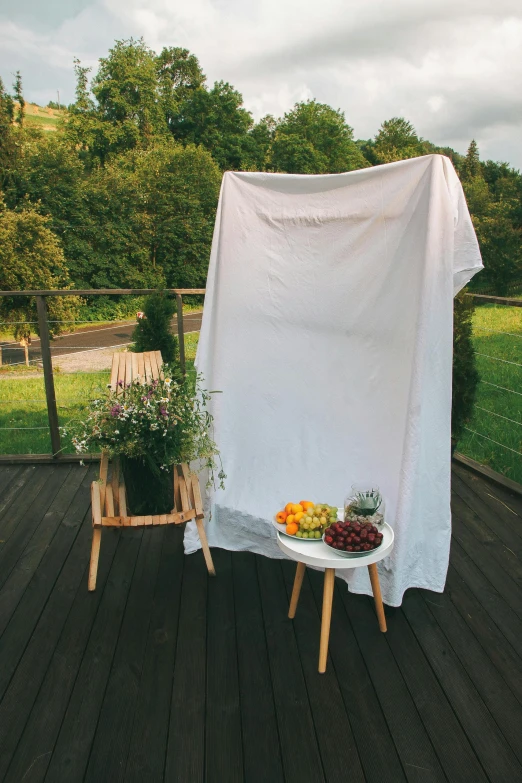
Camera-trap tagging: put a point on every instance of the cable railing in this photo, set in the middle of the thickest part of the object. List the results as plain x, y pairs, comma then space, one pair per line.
70, 374
36, 396
493, 435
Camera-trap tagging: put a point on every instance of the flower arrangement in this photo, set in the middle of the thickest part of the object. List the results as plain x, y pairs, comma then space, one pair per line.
151, 427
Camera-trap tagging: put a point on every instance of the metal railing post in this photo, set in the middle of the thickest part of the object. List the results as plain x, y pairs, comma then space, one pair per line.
181, 333
45, 345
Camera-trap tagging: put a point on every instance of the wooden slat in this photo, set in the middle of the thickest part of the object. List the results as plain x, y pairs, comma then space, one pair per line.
148, 368
149, 521
188, 483
96, 503
177, 496
153, 365
114, 370
134, 359
128, 368
109, 501
122, 499
104, 468
141, 367
184, 495
121, 372
115, 483
196, 493
159, 361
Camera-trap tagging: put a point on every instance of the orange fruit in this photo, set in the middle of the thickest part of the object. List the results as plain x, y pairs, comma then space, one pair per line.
306, 504
296, 508
281, 517
290, 519
288, 508
292, 529
298, 516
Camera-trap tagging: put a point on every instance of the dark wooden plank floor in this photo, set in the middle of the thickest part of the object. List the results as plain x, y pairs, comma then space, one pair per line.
163, 674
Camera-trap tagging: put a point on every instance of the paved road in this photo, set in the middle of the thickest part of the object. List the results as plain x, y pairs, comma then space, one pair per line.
87, 339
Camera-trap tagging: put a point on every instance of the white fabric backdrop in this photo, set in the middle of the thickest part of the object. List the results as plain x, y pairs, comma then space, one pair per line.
328, 328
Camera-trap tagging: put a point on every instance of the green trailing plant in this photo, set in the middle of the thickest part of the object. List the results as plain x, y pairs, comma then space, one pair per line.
153, 332
151, 426
465, 373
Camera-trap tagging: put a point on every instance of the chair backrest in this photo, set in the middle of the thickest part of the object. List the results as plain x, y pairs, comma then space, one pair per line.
128, 366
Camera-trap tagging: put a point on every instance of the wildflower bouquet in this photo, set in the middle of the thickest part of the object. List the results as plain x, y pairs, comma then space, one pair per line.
151, 427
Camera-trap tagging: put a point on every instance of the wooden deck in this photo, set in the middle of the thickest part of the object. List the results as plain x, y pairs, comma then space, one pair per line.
163, 674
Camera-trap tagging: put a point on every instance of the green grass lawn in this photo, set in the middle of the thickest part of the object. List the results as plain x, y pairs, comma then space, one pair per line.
22, 403
498, 413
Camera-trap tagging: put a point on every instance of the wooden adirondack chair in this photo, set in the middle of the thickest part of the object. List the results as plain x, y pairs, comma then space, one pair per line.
108, 497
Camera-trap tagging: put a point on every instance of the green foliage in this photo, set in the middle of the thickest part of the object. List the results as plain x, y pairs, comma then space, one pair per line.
314, 139
31, 258
158, 424
215, 119
465, 373
496, 209
130, 182
471, 167
179, 74
153, 332
19, 98
396, 140
8, 148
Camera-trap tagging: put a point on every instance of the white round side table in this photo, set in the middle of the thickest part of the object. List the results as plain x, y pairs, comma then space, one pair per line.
319, 554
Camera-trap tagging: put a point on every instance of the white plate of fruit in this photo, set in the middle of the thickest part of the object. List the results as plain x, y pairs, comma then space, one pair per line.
305, 520
353, 538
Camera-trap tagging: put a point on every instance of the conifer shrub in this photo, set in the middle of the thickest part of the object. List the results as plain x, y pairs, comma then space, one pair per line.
465, 373
153, 332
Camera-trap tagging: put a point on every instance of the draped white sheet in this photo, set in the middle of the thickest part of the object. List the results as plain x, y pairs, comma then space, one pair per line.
328, 329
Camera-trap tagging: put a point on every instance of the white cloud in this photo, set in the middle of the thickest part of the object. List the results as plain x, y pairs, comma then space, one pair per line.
452, 67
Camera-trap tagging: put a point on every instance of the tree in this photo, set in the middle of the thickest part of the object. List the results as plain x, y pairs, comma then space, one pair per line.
496, 212
257, 144
19, 98
216, 119
293, 154
179, 187
396, 140
127, 111
465, 373
321, 142
7, 141
31, 258
145, 219
126, 90
471, 167
179, 74
153, 332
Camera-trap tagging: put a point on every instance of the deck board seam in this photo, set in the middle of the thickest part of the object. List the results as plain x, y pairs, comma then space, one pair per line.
471, 681
110, 668
86, 518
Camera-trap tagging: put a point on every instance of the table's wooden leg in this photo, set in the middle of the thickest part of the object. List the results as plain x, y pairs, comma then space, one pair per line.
298, 581
376, 588
329, 581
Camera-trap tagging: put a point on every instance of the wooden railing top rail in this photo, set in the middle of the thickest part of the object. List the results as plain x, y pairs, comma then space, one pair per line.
104, 292
503, 300
187, 291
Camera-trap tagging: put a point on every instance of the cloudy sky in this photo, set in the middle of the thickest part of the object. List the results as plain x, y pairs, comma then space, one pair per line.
451, 67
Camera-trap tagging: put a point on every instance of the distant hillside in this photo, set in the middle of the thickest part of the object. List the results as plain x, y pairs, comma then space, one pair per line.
43, 117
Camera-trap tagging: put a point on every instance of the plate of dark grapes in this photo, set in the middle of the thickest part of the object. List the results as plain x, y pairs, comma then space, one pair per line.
352, 539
